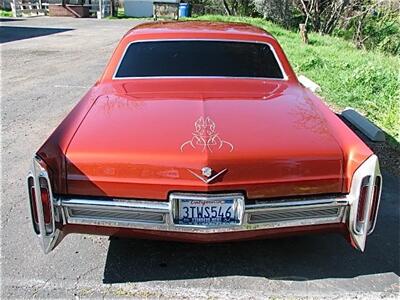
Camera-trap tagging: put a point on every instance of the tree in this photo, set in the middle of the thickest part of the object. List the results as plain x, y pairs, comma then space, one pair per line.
323, 15
238, 7
278, 11
373, 25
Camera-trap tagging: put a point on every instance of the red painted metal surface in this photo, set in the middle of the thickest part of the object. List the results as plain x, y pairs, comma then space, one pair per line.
206, 238
274, 142
134, 138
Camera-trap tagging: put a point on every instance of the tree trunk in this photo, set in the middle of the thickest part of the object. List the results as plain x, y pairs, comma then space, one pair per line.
15, 9
226, 7
112, 8
303, 33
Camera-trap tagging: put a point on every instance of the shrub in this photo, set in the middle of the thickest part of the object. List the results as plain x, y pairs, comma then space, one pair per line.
372, 27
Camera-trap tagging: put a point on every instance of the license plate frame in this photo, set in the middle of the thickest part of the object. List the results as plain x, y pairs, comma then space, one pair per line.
220, 201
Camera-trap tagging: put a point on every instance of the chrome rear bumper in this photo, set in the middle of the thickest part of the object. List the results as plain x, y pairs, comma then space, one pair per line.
156, 215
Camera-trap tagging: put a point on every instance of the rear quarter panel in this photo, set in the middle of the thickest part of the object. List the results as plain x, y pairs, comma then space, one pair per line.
355, 151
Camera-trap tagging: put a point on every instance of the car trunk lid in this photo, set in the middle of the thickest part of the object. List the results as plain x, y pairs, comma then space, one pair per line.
144, 140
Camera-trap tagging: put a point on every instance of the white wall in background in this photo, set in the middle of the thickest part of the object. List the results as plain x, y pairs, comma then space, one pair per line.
141, 8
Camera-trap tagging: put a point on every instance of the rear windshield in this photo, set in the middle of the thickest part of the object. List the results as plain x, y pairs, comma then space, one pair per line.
199, 58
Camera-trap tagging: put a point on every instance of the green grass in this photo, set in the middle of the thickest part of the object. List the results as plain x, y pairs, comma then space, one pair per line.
121, 15
368, 81
5, 13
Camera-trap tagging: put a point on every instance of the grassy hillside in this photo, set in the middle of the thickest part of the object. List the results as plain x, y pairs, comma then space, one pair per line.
5, 13
365, 80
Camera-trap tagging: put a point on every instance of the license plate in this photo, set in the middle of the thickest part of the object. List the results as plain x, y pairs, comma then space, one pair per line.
207, 212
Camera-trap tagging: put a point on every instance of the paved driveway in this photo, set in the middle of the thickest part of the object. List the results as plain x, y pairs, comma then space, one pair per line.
47, 65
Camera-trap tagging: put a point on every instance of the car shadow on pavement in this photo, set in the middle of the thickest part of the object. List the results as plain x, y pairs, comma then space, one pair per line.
297, 258
15, 33
9, 19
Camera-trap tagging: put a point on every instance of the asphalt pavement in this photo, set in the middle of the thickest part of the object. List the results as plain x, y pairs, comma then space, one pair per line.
47, 64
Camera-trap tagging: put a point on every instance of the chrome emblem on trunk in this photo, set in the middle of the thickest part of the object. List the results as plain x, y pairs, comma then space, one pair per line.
207, 174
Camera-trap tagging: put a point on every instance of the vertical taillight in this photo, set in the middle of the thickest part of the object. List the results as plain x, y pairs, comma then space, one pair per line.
42, 205
362, 204
32, 199
46, 212
46, 201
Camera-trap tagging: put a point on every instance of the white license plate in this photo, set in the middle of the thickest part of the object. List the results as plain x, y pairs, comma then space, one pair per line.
208, 212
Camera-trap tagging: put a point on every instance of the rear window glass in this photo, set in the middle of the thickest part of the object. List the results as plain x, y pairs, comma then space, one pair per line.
199, 58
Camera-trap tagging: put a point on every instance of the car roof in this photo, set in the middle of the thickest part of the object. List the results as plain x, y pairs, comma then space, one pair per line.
195, 30
195, 27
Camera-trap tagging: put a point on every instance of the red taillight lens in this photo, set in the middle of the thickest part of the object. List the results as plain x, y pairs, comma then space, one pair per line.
44, 194
361, 204
375, 199
32, 199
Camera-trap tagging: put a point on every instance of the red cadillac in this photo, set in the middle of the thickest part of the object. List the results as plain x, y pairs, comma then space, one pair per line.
201, 132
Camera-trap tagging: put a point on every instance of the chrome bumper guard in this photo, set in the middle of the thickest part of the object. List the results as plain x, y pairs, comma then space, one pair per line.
158, 215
